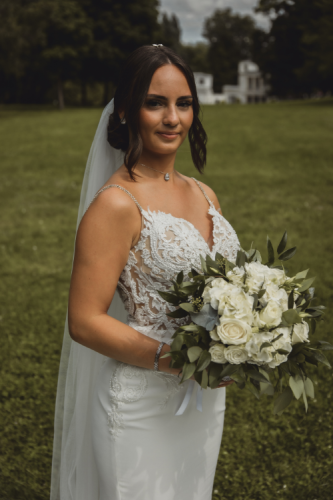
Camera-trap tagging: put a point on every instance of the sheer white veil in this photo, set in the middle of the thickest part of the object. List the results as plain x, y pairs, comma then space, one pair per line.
74, 475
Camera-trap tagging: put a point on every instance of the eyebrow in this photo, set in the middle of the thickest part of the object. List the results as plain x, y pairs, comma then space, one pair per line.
162, 97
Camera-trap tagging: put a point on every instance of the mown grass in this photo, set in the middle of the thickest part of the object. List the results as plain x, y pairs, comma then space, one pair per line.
271, 168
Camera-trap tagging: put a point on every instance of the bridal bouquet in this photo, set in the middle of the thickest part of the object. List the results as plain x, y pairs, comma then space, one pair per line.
248, 321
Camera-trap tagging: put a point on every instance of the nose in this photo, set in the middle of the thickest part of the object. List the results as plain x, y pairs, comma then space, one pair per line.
171, 117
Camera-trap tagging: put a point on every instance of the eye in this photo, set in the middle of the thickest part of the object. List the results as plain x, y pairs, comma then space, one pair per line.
153, 103
185, 104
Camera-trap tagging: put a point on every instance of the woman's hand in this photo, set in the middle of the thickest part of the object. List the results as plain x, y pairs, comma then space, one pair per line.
224, 383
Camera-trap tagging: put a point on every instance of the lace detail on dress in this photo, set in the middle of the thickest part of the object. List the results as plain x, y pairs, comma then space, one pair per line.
167, 245
133, 388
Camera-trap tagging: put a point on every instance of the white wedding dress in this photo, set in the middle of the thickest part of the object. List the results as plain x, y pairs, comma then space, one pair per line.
142, 449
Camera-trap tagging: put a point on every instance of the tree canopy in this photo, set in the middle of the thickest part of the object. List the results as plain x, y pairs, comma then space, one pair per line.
49, 45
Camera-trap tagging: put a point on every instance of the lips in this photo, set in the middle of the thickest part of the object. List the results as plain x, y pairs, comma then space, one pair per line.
169, 135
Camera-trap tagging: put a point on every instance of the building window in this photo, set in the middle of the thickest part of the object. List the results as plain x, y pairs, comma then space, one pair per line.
258, 83
250, 83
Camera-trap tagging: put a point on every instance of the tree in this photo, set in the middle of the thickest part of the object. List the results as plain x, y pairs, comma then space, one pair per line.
119, 27
66, 38
170, 32
300, 55
196, 55
230, 38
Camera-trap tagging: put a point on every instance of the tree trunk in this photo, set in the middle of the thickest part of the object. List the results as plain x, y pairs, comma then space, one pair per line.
106, 93
61, 100
84, 100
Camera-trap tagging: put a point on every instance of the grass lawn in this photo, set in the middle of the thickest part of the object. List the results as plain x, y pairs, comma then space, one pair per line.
271, 167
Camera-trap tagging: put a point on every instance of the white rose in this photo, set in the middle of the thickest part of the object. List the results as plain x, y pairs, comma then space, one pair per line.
217, 352
252, 347
236, 354
300, 333
273, 292
236, 275
238, 305
257, 321
213, 335
271, 314
276, 276
233, 331
284, 343
286, 332
255, 276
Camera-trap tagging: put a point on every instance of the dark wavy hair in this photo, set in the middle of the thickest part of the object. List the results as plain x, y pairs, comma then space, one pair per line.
130, 96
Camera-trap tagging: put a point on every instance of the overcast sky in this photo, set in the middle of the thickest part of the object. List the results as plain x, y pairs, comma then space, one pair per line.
191, 14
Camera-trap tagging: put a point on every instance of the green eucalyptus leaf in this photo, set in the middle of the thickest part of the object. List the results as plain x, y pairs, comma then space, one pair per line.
265, 344
240, 259
254, 390
203, 264
270, 252
180, 277
283, 401
169, 297
178, 313
203, 361
204, 380
301, 276
296, 385
214, 375
325, 346
291, 300
194, 272
257, 376
187, 306
177, 343
266, 388
306, 284
288, 254
228, 370
188, 370
319, 356
283, 243
305, 401
309, 388
194, 353
166, 355
291, 317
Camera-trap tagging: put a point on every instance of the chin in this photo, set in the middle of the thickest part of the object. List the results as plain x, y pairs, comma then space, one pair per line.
165, 149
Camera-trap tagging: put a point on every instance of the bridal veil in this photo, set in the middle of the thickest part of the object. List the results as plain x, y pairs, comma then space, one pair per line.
74, 475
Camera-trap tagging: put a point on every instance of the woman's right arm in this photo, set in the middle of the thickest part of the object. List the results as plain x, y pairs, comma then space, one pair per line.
107, 232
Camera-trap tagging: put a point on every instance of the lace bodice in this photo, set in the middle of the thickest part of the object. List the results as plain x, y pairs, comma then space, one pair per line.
167, 245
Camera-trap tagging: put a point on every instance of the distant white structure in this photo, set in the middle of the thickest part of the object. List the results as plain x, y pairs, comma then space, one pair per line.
251, 86
204, 84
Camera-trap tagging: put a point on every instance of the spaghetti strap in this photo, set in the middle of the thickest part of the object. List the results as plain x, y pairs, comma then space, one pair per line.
203, 191
123, 189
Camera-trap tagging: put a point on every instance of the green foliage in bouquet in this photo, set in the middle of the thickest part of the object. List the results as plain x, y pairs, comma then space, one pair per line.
191, 349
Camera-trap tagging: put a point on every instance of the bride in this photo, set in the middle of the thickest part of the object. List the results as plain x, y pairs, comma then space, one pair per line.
124, 427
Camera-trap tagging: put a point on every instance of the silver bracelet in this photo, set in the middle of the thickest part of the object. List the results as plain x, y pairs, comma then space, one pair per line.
157, 356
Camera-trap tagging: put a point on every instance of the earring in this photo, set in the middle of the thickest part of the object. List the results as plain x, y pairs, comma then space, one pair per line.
123, 121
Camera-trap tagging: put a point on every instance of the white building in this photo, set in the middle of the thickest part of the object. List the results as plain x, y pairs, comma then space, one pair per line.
251, 86
204, 84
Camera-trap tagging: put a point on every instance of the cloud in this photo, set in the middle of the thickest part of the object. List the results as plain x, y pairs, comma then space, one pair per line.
192, 13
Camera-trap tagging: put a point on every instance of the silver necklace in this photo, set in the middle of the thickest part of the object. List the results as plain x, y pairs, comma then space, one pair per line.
166, 175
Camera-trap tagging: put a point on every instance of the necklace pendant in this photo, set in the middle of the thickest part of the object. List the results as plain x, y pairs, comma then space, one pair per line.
166, 177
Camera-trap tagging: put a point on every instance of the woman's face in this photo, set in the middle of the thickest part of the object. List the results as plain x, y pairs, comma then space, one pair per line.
167, 114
